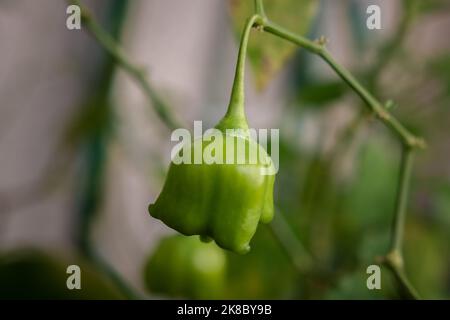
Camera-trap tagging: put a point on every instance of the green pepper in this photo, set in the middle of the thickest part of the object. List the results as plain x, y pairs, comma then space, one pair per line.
186, 267
224, 202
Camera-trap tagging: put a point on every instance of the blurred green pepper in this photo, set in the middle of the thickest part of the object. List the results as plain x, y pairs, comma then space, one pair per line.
186, 267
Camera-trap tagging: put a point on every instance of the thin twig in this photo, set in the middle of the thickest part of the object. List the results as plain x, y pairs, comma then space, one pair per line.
294, 249
376, 107
402, 199
394, 262
389, 50
259, 8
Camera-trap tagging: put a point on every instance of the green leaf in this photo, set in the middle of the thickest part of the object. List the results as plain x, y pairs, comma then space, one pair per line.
93, 119
267, 53
352, 286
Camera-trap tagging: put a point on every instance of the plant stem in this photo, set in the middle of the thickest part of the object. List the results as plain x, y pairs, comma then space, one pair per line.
259, 8
235, 116
237, 99
394, 259
300, 258
402, 199
112, 47
376, 107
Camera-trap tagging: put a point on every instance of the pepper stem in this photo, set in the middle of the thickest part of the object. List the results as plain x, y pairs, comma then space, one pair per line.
235, 117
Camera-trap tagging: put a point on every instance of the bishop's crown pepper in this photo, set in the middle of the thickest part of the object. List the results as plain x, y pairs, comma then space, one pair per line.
223, 202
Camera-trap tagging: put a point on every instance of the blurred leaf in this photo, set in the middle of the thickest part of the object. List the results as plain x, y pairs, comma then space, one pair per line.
34, 274
441, 202
372, 195
322, 93
426, 260
440, 67
353, 286
367, 202
263, 273
267, 53
93, 119
426, 6
373, 245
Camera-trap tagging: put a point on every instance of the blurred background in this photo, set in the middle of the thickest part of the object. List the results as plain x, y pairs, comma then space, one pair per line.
83, 152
